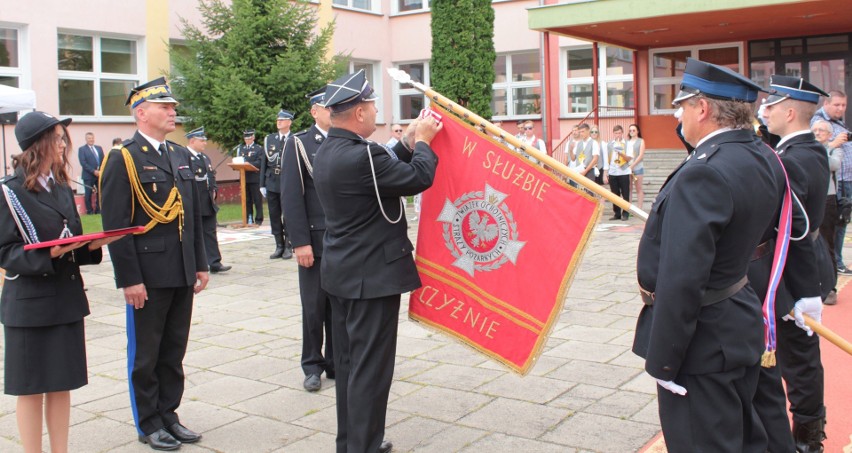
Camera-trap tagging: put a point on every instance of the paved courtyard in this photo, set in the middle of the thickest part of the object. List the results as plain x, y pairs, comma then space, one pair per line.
587, 393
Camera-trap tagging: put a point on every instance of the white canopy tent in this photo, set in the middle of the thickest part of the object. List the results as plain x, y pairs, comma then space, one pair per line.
14, 100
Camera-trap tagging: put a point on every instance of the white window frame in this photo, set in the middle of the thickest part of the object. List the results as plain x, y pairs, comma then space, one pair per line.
397, 91
375, 6
96, 76
427, 6
509, 85
19, 72
375, 79
693, 50
603, 79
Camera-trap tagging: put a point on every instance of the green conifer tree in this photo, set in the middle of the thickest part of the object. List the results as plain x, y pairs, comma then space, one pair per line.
249, 59
462, 65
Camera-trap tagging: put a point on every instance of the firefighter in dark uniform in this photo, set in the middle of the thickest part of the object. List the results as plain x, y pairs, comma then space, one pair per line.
253, 154
701, 329
367, 261
306, 225
149, 182
205, 179
270, 183
809, 274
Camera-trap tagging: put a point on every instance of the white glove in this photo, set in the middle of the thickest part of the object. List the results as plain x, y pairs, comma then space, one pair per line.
672, 387
811, 306
263, 191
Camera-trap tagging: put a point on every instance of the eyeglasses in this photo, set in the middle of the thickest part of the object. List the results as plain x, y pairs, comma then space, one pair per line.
528, 128
397, 130
594, 132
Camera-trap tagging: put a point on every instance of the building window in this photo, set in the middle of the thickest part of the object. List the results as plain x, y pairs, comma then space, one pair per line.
373, 72
667, 66
363, 5
615, 79
408, 101
821, 60
516, 92
10, 63
407, 6
95, 74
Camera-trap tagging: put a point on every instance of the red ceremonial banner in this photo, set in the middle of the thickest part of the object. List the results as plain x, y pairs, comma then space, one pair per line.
499, 242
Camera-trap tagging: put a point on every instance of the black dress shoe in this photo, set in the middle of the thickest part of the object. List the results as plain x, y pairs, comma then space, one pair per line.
287, 254
183, 434
160, 440
386, 446
615, 217
312, 383
216, 268
625, 216
279, 251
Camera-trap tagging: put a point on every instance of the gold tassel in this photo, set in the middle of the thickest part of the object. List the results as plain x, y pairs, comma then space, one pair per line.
768, 359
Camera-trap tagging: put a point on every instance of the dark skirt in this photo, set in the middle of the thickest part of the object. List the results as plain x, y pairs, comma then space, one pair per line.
45, 359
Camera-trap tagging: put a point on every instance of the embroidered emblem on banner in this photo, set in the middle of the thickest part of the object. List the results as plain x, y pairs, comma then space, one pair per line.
480, 231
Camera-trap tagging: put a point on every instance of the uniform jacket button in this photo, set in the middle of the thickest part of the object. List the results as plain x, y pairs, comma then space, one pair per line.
44, 275
73, 277
667, 368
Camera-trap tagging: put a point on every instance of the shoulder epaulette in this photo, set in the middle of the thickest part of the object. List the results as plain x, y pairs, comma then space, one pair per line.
302, 132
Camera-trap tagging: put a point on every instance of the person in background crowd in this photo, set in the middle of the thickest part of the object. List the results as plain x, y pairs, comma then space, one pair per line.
306, 225
116, 143
159, 271
253, 154
617, 157
396, 135
367, 262
586, 152
595, 135
636, 143
205, 180
832, 111
270, 183
822, 131
91, 156
43, 303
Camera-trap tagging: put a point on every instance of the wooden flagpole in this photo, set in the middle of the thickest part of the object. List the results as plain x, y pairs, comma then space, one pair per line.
402, 77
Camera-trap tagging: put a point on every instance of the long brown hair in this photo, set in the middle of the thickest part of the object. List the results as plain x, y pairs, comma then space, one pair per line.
32, 159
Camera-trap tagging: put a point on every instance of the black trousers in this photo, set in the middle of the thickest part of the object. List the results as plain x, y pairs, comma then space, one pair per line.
211, 241
364, 334
316, 320
620, 185
828, 227
716, 414
770, 402
801, 367
254, 200
276, 214
157, 335
92, 207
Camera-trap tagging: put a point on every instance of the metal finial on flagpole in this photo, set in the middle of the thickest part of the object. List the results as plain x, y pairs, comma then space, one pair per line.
403, 78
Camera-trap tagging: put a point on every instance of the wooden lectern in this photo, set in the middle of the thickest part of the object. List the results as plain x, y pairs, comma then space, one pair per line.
243, 168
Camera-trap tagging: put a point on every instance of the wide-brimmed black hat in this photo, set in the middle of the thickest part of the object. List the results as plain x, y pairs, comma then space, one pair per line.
717, 82
348, 91
33, 124
317, 96
156, 90
796, 88
197, 133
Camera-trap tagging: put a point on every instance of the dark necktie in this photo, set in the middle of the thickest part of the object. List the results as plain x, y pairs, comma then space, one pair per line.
164, 155
51, 186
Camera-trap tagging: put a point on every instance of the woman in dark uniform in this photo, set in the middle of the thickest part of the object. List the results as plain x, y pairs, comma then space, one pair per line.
42, 304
